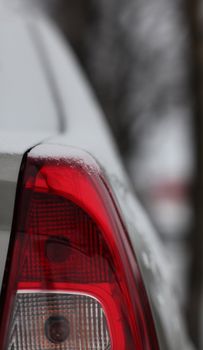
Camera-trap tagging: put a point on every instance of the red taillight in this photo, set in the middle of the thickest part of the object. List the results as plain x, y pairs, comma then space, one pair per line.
72, 280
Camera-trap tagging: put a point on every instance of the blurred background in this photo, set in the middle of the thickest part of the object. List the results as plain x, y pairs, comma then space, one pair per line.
144, 60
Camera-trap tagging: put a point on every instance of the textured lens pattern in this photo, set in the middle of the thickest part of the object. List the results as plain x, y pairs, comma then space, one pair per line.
87, 326
84, 254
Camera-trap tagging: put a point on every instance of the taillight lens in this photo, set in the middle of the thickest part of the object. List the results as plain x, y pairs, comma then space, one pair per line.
72, 280
58, 321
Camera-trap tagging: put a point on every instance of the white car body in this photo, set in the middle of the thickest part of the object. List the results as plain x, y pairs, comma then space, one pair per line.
45, 100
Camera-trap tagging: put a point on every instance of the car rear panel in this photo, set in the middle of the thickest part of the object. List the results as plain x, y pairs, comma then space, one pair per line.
84, 129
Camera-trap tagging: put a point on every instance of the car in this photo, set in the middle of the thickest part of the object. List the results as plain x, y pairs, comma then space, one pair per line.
81, 267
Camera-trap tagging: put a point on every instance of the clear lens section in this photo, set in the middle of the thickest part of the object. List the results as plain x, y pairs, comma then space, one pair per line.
46, 321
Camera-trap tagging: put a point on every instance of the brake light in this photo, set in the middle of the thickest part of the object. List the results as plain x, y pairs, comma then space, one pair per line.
72, 280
